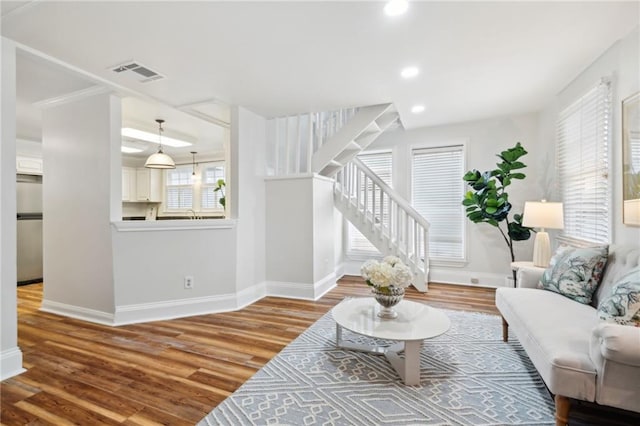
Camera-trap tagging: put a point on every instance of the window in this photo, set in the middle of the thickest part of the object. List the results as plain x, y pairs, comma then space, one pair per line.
437, 189
179, 188
210, 176
183, 192
380, 163
583, 138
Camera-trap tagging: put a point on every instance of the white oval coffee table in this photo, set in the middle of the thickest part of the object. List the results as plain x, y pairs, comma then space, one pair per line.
415, 323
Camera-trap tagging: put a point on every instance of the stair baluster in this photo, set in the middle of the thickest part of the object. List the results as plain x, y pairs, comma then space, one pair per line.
363, 198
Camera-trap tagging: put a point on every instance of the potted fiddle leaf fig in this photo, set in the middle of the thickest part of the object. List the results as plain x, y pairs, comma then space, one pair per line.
488, 200
220, 188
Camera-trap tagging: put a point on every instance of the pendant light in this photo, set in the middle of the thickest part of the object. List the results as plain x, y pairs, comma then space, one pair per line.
160, 160
194, 177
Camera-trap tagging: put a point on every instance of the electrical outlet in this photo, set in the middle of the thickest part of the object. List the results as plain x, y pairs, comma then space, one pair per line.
475, 280
188, 282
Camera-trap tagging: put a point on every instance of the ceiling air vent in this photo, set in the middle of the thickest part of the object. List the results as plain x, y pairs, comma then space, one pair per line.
140, 72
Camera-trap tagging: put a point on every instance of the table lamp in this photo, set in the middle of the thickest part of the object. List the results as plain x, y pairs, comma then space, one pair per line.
543, 215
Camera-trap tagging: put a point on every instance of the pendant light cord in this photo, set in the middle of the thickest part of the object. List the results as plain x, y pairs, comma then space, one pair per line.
159, 121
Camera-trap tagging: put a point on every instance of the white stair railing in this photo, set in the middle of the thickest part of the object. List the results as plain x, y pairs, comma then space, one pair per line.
294, 139
386, 219
324, 142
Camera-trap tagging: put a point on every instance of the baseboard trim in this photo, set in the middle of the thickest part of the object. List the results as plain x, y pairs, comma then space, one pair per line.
304, 291
251, 295
320, 288
463, 277
168, 310
11, 363
77, 312
290, 290
445, 275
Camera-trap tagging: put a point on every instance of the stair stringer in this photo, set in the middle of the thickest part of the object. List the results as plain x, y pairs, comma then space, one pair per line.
356, 135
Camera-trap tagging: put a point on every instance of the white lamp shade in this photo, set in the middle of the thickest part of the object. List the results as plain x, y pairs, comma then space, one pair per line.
632, 212
160, 160
541, 214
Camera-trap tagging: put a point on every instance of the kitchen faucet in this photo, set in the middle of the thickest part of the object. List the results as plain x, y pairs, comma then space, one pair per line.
193, 213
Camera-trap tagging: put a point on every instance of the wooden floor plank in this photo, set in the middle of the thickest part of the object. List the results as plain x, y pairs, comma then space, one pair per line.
170, 372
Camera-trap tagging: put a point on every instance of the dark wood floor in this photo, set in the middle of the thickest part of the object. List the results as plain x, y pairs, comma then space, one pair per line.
174, 372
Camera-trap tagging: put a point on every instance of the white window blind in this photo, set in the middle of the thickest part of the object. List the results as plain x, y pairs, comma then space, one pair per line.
380, 163
437, 188
210, 199
179, 195
583, 138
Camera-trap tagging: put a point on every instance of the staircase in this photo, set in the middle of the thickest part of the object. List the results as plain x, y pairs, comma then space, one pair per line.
327, 144
356, 135
387, 220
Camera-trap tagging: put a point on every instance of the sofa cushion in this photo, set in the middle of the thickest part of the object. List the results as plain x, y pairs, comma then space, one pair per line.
621, 260
576, 272
623, 304
555, 332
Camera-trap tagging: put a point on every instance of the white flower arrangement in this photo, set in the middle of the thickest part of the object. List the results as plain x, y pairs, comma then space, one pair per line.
391, 272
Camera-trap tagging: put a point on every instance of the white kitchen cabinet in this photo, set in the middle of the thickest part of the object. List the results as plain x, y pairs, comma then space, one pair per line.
148, 185
129, 184
141, 185
29, 165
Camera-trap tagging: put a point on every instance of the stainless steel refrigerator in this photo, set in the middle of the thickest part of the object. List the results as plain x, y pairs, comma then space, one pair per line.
29, 233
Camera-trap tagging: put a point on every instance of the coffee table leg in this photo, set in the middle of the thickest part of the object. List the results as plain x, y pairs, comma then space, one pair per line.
338, 335
412, 362
408, 368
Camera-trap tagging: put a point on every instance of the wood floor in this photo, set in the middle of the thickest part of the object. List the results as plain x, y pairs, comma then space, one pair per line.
168, 372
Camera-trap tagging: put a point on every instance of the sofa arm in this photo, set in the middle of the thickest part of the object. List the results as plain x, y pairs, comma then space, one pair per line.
529, 277
619, 343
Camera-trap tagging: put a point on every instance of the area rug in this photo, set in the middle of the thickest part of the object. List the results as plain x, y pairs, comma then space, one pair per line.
469, 376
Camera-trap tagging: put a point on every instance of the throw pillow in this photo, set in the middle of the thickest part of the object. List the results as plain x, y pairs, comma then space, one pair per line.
576, 272
622, 306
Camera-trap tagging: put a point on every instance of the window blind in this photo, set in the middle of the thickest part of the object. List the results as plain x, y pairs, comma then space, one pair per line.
179, 188
210, 176
583, 139
381, 164
437, 188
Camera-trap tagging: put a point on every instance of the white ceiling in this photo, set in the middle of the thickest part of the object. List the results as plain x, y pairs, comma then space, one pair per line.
477, 59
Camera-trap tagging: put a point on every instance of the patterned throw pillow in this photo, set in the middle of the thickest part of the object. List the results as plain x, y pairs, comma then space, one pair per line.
576, 272
623, 305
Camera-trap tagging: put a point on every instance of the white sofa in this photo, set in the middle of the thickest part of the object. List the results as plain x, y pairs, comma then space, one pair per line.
577, 355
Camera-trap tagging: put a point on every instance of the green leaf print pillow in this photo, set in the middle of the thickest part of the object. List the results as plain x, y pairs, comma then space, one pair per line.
622, 306
576, 272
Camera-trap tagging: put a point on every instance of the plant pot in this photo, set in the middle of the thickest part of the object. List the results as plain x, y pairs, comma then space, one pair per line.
387, 298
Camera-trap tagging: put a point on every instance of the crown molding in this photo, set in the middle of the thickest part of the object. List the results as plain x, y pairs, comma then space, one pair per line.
71, 97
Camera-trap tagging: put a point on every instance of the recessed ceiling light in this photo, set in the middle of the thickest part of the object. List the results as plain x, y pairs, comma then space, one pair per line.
151, 137
409, 72
417, 109
129, 150
396, 7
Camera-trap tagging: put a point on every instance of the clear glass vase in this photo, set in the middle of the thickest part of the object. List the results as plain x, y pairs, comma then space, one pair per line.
388, 297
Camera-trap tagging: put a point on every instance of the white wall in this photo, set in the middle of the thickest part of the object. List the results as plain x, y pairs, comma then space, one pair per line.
483, 140
29, 148
80, 141
247, 193
621, 62
10, 354
150, 265
300, 237
152, 259
290, 232
323, 236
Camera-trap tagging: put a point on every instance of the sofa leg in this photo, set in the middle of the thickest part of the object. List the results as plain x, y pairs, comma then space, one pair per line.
562, 410
505, 330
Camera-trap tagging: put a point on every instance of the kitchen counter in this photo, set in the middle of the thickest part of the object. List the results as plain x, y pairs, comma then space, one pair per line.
127, 218
172, 225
